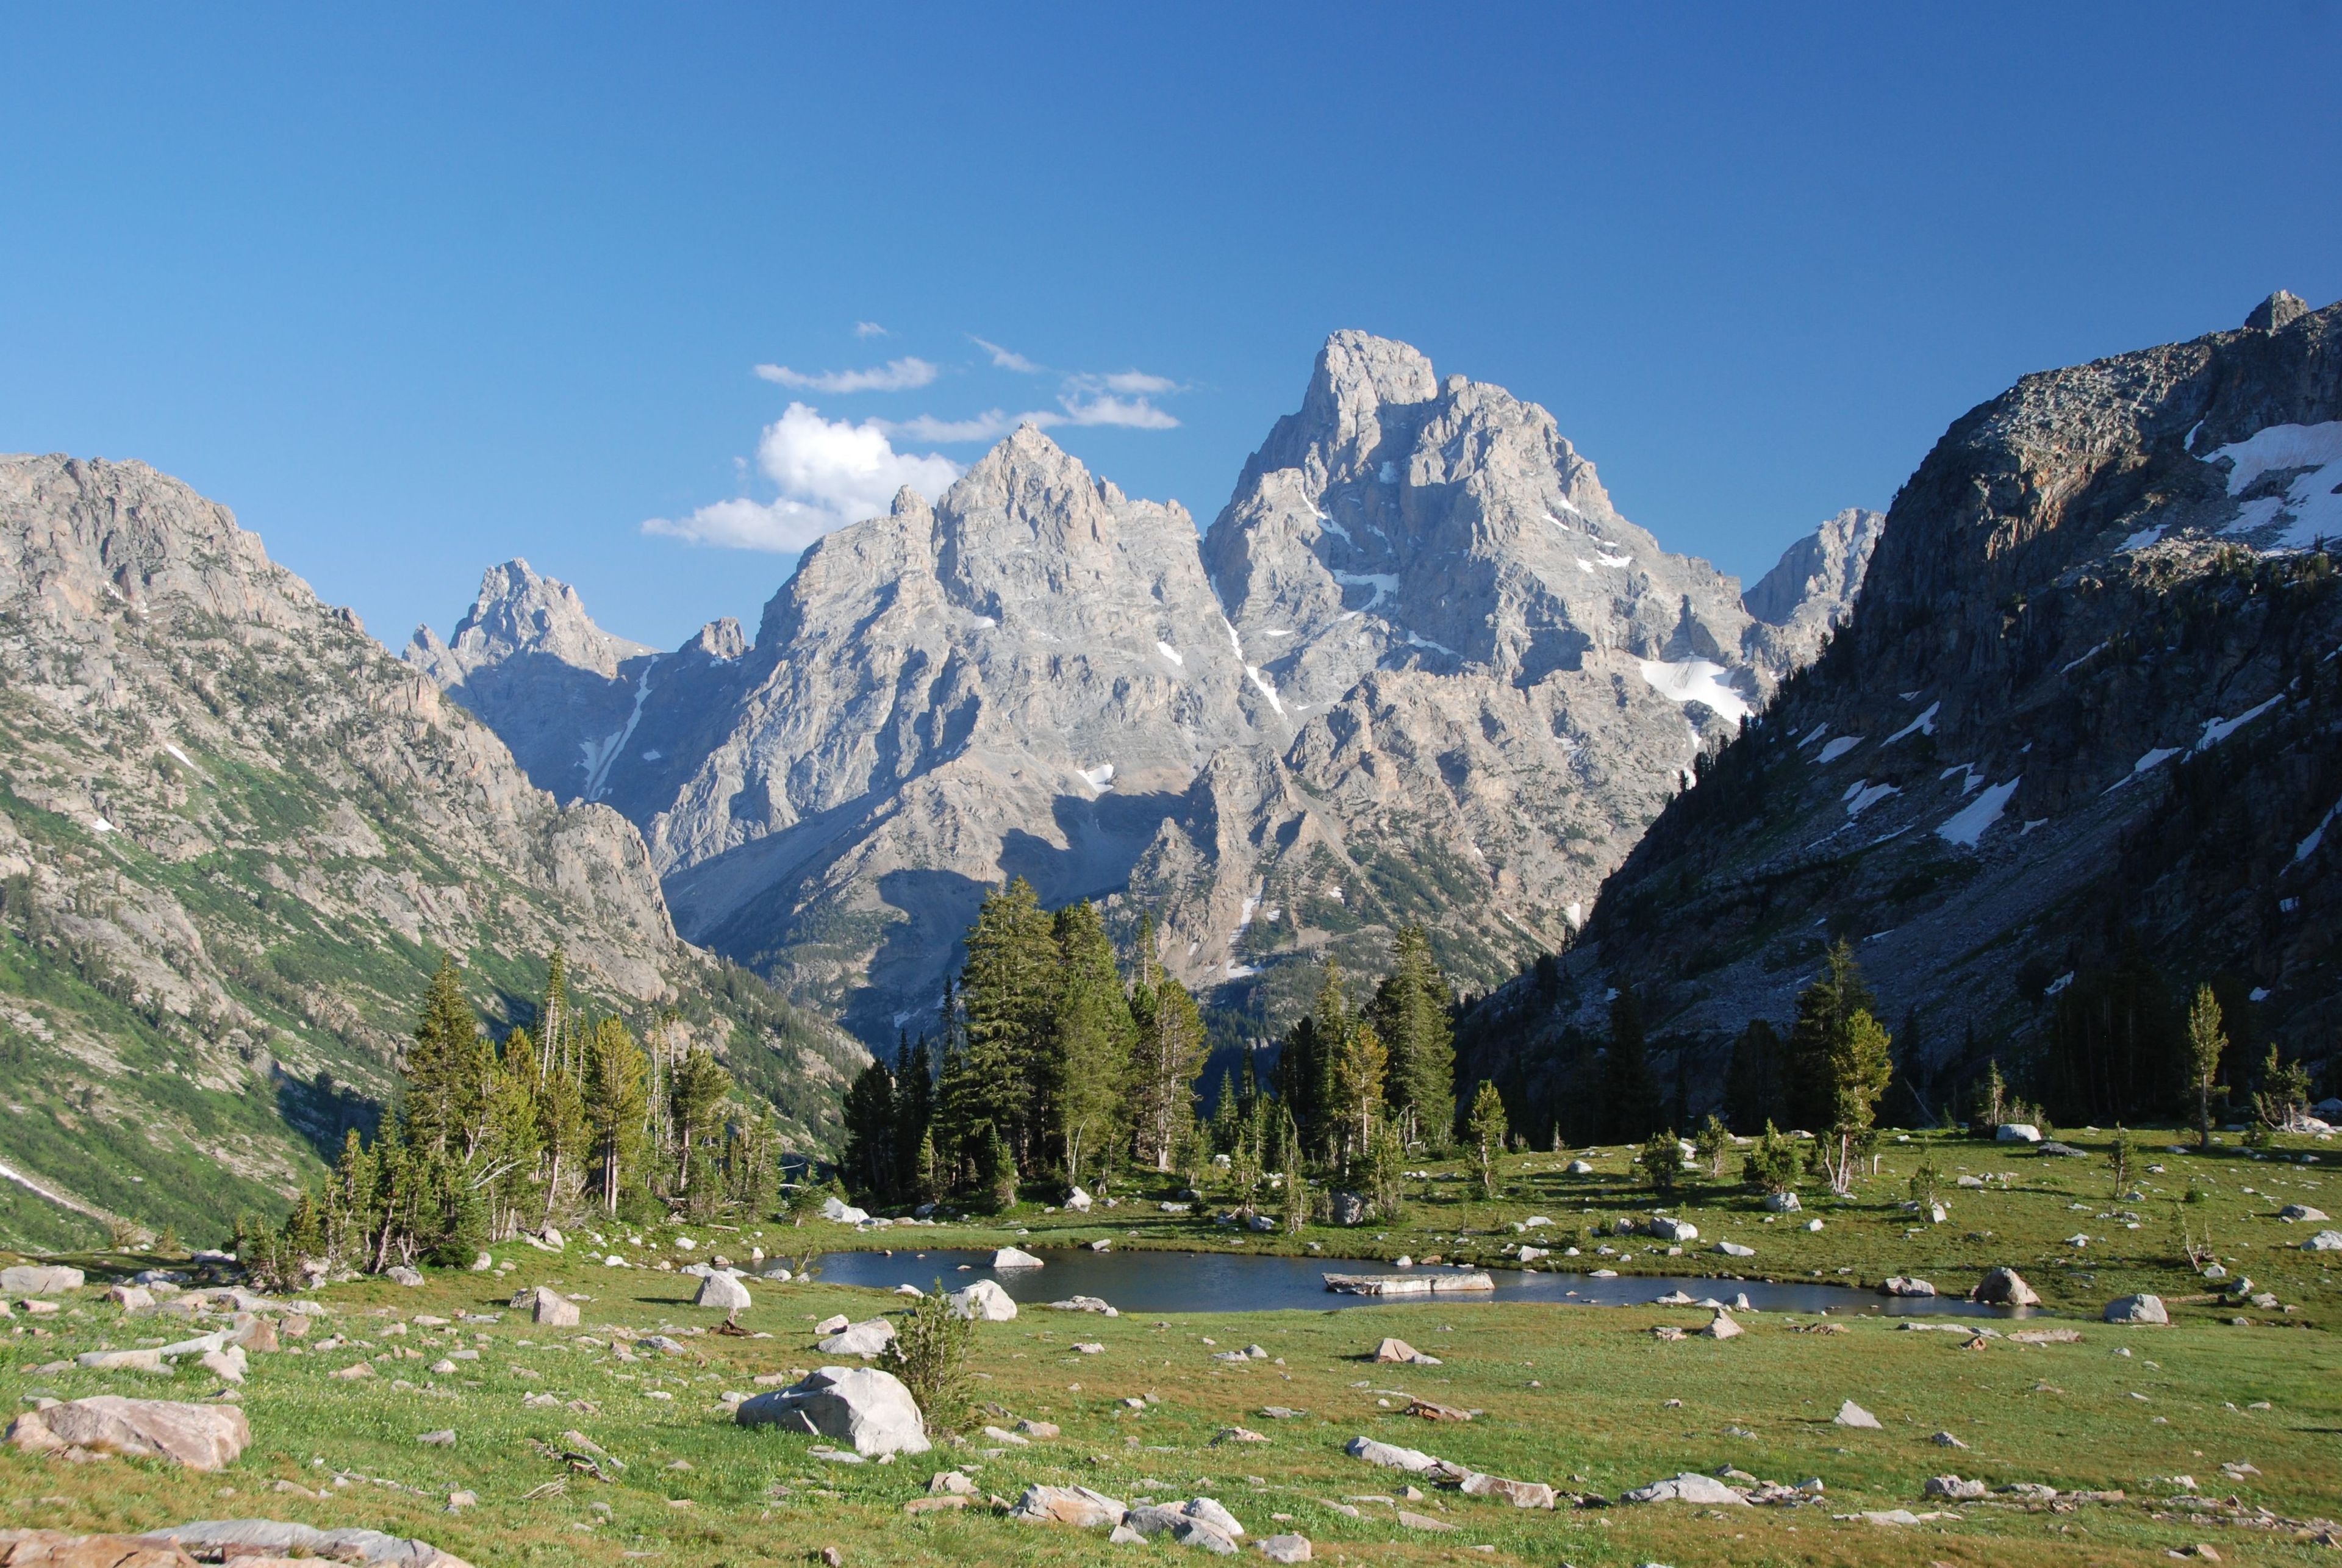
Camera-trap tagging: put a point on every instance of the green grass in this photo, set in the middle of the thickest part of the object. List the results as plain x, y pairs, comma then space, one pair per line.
1581, 1397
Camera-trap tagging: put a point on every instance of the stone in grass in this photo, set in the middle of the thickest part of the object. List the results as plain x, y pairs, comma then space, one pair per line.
39, 1280
400, 1274
1390, 1456
2004, 1287
723, 1293
1392, 1350
1519, 1493
1723, 1327
1075, 1505
1782, 1202
1688, 1487
355, 1371
2143, 1309
1198, 1522
2324, 1241
444, 1438
226, 1364
867, 1339
1851, 1414
1286, 1548
131, 1298
121, 1361
1668, 1229
1946, 1440
1734, 1250
950, 1484
832, 1325
869, 1408
1953, 1489
546, 1305
2293, 1214
198, 1436
984, 1301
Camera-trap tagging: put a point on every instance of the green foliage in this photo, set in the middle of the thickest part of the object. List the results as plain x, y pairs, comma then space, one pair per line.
1660, 1159
2283, 1098
1773, 1166
872, 1127
2205, 1041
929, 1354
1925, 1181
2120, 1155
1713, 1142
1166, 1058
1411, 1014
1630, 1095
1814, 1063
1488, 1129
1386, 1172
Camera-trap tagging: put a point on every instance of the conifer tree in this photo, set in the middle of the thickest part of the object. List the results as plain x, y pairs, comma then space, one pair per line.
617, 1106
1165, 1060
1753, 1079
1861, 1065
1826, 1012
1630, 1094
2206, 1042
868, 1159
1088, 1050
1008, 995
1411, 1013
445, 1080
915, 1110
1357, 1070
700, 1085
1488, 1129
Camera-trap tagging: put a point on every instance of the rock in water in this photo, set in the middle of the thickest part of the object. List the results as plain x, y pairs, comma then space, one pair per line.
1851, 1414
723, 1293
1014, 1258
982, 1300
2004, 1287
861, 1405
1897, 1285
198, 1436
2146, 1308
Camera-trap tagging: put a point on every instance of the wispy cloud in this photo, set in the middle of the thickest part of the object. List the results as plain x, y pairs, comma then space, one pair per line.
868, 329
1129, 383
1132, 413
895, 376
829, 473
990, 426
1007, 358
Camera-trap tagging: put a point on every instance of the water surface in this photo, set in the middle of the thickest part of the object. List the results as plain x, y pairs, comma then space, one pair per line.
1143, 1282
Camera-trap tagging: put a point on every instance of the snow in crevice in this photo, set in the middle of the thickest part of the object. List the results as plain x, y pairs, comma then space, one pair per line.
1576, 915
1817, 733
1327, 525
1240, 971
1277, 631
1586, 566
1925, 724
1099, 777
1970, 822
654, 754
177, 752
1838, 748
1413, 641
2058, 985
1170, 652
2309, 502
1865, 795
1380, 582
1969, 783
2217, 730
600, 756
2154, 759
1696, 681
2085, 659
1615, 560
2309, 846
101, 825
1266, 690
983, 623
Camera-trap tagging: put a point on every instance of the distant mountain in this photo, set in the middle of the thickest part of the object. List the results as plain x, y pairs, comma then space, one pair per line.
1419, 669
235, 836
2078, 749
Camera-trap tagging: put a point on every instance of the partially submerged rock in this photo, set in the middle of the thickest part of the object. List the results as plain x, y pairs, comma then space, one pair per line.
1014, 1258
861, 1405
1902, 1285
2004, 1287
198, 1436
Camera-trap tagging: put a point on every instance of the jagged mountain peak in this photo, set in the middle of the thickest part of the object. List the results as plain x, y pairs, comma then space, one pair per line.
519, 613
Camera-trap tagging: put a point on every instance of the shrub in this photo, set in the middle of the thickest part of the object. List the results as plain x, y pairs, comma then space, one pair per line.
1660, 1159
1772, 1165
929, 1354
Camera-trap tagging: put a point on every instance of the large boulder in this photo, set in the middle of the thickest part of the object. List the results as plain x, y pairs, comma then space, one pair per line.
1198, 1522
863, 1339
1688, 1487
1391, 1352
39, 1280
1900, 1285
2017, 1132
275, 1541
546, 1305
1851, 1414
1346, 1208
722, 1292
1670, 1229
2301, 1213
1390, 1456
834, 1207
1519, 1493
2136, 1309
199, 1436
2004, 1287
1782, 1202
1014, 1258
862, 1405
1078, 1200
2324, 1241
983, 1300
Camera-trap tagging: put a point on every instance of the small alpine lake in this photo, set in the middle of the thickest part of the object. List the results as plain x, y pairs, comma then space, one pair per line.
1160, 1281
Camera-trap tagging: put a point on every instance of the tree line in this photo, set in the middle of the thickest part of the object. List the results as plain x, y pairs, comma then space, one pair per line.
1050, 1062
492, 1137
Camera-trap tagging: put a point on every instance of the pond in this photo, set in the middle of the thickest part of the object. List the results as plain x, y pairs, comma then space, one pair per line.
1163, 1281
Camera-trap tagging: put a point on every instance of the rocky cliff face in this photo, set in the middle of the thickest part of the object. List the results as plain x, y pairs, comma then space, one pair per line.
234, 836
2083, 720
1419, 669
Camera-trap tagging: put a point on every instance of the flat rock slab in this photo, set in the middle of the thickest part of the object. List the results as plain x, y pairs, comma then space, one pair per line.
199, 1436
1519, 1493
55, 1549
1851, 1414
1075, 1505
862, 1339
1393, 1351
1459, 1282
1688, 1487
1392, 1457
39, 1280
1014, 1258
1286, 1548
283, 1539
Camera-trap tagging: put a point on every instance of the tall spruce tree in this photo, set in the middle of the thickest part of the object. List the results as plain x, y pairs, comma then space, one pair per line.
1630, 1095
1410, 1013
1009, 989
1826, 1012
1166, 1058
1088, 1051
698, 1100
914, 1109
616, 1107
871, 1126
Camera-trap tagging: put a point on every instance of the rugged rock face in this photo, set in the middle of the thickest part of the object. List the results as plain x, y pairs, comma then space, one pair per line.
1419, 669
234, 835
1809, 591
2077, 751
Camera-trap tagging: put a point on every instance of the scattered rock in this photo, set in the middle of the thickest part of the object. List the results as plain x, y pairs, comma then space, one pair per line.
400, 1274
1238, 1434
1722, 1327
1519, 1493
1851, 1414
1673, 1230
1946, 1440
950, 1484
354, 1372
2004, 1287
1074, 1505
2045, 1336
721, 1291
131, 1298
1398, 1350
2324, 1241
832, 1325
984, 1301
444, 1438
1956, 1489
1688, 1487
863, 1406
1424, 1521
2293, 1213
546, 1305
1392, 1457
1782, 1202
199, 1436
2146, 1308
226, 1364
1044, 1429
1431, 1410
1078, 1200
120, 1361
1578, 1168
1286, 1548
264, 1542
1083, 1304
1734, 1250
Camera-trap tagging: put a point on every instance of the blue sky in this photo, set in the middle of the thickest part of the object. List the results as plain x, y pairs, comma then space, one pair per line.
415, 289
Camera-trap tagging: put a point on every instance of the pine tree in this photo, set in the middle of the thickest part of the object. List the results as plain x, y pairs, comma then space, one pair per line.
616, 1111
1630, 1095
1088, 1051
1008, 994
697, 1099
1357, 1080
445, 1080
1411, 1013
1826, 1011
1488, 1129
1166, 1062
915, 1111
1861, 1065
2206, 1042
867, 1161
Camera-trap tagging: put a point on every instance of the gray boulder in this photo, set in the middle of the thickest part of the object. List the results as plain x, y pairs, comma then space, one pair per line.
2148, 1309
2004, 1287
276, 1540
1899, 1285
39, 1280
1075, 1505
1851, 1414
1346, 1208
1287, 1547
845, 1213
862, 1405
1688, 1487
863, 1339
722, 1292
1782, 1202
2295, 1213
984, 1301
198, 1436
400, 1274
1014, 1258
2324, 1241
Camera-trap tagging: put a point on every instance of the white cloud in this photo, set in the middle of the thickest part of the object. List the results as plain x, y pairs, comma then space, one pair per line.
1006, 359
990, 426
1130, 383
868, 329
1133, 412
830, 474
895, 376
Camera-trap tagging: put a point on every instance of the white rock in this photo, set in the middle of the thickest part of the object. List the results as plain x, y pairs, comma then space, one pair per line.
1578, 1168
2324, 1241
1668, 1229
1078, 1200
869, 1408
2146, 1309
1286, 1548
862, 1339
1782, 1202
1734, 1250
983, 1300
198, 1436
834, 1207
1391, 1457
1688, 1487
1851, 1414
1014, 1258
2017, 1132
724, 1292
39, 1280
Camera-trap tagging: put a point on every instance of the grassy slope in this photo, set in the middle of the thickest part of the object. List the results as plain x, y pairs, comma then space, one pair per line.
2061, 1414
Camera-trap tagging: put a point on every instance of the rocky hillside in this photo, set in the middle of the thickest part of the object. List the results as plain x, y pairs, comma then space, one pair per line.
2078, 749
1418, 669
234, 835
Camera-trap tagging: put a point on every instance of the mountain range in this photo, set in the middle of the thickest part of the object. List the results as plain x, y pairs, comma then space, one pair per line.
1417, 670
2077, 750
235, 835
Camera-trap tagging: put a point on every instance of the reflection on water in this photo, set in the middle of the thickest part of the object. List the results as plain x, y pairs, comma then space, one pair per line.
1232, 1282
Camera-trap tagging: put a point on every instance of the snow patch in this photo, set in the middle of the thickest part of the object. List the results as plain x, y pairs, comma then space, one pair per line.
602, 754
1925, 723
1838, 748
1170, 652
2217, 730
1415, 641
1380, 582
100, 824
1968, 784
1575, 916
1586, 566
178, 754
1971, 822
1240, 971
1868, 795
2143, 538
1100, 776
1266, 690
1696, 681
2309, 846
2258, 994
2310, 501
1817, 733
2086, 658
1615, 560
985, 623
2058, 985
1388, 473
